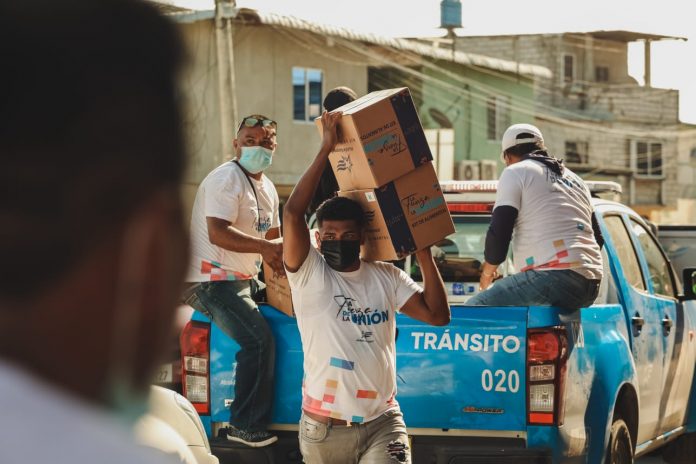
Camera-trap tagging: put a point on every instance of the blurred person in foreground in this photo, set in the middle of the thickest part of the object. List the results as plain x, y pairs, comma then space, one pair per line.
92, 241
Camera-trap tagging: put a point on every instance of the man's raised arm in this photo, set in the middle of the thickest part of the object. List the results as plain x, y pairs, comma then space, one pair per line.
295, 232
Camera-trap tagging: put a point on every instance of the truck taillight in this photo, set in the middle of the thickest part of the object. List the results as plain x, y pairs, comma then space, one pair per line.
547, 352
195, 353
470, 207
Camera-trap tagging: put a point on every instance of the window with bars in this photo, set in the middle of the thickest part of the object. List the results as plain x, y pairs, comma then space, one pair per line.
576, 152
568, 68
306, 93
646, 158
497, 117
602, 74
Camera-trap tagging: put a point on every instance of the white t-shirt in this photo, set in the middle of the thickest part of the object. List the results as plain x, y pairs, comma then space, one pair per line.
227, 194
347, 325
553, 229
39, 424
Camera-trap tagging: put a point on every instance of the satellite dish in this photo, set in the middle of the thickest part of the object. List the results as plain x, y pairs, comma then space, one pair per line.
440, 118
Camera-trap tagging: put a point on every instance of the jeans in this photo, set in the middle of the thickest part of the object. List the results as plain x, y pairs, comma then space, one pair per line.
231, 307
381, 441
564, 288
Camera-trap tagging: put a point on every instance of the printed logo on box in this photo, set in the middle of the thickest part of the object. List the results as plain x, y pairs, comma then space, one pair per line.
369, 215
416, 205
370, 196
344, 164
389, 143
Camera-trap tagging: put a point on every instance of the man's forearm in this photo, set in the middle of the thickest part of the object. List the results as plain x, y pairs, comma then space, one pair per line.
499, 234
235, 240
434, 291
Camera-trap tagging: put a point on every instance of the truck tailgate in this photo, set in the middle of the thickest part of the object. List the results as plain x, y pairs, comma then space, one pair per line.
467, 375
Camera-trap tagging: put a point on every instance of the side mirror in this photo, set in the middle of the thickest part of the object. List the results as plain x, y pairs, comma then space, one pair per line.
689, 280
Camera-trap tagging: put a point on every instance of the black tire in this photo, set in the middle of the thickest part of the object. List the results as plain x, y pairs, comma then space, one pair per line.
620, 447
682, 450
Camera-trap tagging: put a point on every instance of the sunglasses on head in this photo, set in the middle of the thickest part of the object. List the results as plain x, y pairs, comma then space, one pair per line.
252, 121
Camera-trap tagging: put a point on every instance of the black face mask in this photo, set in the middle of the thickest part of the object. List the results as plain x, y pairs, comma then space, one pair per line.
340, 254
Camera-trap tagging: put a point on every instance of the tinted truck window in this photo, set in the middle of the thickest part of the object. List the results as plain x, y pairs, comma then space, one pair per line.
657, 264
624, 250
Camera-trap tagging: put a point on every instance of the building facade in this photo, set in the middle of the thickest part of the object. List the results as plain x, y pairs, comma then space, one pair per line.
600, 119
243, 61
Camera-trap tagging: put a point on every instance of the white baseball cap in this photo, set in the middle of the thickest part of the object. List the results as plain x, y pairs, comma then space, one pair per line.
510, 136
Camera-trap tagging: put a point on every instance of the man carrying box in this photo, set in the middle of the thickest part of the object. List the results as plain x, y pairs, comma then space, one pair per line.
234, 220
345, 310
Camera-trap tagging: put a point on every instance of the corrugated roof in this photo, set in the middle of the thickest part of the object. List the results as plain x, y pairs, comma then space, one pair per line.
628, 36
618, 36
468, 59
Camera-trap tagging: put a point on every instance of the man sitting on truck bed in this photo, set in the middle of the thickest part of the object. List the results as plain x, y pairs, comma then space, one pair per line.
234, 221
345, 311
556, 236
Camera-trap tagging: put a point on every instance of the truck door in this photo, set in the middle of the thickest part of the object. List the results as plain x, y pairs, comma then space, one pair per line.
676, 373
644, 319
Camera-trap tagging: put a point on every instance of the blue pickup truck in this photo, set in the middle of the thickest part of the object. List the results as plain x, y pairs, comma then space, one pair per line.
506, 384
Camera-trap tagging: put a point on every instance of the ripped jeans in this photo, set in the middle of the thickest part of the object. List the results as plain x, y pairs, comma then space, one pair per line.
380, 441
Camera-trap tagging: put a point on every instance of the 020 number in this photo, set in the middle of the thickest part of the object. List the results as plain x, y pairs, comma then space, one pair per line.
500, 380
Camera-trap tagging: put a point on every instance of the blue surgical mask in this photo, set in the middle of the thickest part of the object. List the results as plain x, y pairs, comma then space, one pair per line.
255, 159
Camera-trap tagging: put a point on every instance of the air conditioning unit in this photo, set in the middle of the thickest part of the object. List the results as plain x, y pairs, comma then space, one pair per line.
488, 170
468, 170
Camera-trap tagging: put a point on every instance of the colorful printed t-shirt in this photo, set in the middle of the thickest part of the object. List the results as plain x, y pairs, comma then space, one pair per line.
347, 325
227, 194
553, 229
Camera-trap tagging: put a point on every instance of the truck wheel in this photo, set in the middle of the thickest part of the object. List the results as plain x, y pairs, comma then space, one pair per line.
620, 448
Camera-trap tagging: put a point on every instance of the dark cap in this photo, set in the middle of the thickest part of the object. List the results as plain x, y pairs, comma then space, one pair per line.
338, 97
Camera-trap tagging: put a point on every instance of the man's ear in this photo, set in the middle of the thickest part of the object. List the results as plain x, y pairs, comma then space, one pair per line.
316, 237
237, 147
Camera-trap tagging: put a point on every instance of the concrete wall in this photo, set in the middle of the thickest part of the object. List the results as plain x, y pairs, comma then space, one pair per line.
264, 58
619, 99
686, 162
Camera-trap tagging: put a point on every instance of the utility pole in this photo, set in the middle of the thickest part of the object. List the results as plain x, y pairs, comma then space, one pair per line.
648, 64
224, 11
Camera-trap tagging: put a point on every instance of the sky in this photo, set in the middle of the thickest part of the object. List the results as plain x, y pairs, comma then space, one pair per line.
673, 62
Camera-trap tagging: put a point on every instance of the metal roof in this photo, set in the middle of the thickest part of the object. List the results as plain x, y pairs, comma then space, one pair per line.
617, 36
250, 16
627, 36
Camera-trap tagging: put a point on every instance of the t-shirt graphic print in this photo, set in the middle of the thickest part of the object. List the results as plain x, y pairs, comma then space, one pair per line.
347, 325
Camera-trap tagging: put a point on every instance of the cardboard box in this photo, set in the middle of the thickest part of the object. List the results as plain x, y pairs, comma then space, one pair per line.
403, 216
380, 139
278, 290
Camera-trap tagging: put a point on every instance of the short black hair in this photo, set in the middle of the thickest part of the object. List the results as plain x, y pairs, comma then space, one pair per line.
525, 148
90, 128
338, 97
341, 209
